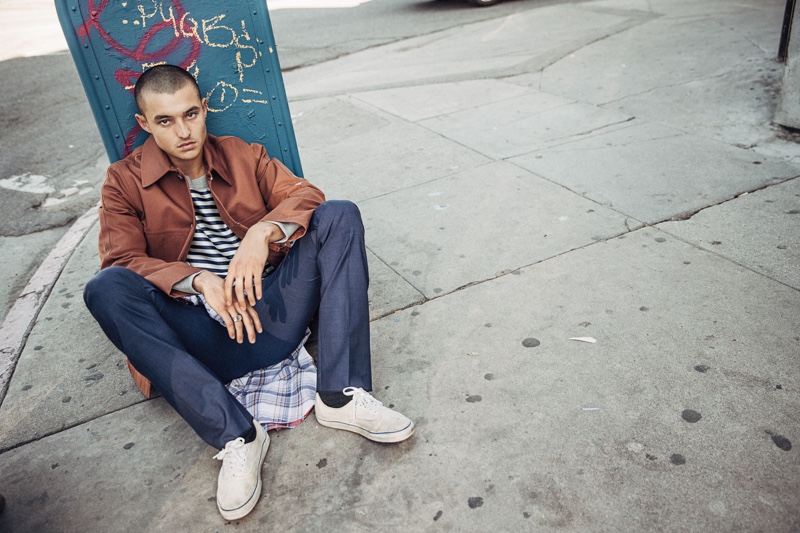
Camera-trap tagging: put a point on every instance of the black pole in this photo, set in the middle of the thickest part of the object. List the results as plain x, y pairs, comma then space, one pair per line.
786, 31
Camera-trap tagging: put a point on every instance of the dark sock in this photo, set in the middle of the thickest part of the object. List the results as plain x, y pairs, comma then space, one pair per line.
249, 435
335, 399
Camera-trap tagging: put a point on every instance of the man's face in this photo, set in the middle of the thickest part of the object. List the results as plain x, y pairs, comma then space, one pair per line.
177, 123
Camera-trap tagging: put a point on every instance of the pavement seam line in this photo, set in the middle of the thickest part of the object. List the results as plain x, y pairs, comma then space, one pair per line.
355, 96
510, 271
699, 246
20, 319
684, 217
568, 141
450, 175
616, 29
610, 207
732, 29
642, 225
424, 297
669, 86
580, 136
77, 423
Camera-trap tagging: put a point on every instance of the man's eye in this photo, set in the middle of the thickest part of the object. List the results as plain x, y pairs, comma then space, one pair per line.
163, 122
191, 115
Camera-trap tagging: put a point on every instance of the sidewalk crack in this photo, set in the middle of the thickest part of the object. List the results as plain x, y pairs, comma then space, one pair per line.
579, 136
683, 217
672, 85
419, 301
623, 26
743, 36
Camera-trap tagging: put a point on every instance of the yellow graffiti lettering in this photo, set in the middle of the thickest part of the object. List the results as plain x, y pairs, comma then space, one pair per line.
217, 97
196, 71
192, 31
210, 25
253, 100
244, 33
217, 32
171, 18
145, 66
241, 65
144, 16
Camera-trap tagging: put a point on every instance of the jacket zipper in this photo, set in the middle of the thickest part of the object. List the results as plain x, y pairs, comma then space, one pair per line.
186, 245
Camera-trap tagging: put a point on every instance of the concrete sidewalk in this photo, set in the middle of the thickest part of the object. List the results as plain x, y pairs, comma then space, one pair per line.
603, 169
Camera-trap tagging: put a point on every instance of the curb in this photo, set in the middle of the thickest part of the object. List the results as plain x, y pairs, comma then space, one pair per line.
21, 317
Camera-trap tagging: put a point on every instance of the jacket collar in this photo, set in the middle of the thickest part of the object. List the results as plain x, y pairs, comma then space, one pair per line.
155, 163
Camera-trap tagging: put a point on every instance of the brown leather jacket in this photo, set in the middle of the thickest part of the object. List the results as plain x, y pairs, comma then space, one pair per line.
147, 218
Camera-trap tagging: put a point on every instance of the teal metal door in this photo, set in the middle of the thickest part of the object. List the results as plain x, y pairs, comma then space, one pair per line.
228, 46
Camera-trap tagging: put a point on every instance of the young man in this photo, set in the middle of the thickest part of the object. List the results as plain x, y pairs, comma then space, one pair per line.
192, 215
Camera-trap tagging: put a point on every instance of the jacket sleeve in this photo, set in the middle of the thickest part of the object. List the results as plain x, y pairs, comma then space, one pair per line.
288, 198
122, 240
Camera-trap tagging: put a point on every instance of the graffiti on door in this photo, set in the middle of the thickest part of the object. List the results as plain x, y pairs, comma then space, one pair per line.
218, 49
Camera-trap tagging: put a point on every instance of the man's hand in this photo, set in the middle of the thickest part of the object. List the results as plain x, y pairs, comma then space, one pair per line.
212, 287
243, 282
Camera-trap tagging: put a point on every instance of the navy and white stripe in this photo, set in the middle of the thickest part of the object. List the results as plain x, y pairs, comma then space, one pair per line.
214, 244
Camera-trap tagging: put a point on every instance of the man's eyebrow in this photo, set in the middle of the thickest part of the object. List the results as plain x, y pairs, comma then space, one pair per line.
194, 108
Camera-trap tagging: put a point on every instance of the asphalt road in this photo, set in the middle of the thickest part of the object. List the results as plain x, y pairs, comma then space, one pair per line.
52, 160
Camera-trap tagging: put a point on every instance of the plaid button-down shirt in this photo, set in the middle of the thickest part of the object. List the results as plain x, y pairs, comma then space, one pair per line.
280, 396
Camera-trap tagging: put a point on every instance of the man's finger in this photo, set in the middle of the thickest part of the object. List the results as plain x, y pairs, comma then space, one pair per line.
237, 324
226, 317
239, 288
256, 319
251, 291
249, 326
229, 291
258, 282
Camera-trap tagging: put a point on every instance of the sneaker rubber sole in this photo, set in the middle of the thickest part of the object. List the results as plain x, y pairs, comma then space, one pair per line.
386, 437
244, 510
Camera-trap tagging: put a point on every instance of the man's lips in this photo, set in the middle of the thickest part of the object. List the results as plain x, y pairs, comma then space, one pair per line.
187, 145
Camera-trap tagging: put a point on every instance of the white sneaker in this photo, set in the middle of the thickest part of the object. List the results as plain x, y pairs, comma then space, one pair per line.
366, 416
239, 482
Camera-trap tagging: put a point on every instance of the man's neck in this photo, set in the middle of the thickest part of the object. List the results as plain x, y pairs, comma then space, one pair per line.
191, 169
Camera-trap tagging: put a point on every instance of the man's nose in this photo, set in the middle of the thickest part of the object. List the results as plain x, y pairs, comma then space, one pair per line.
182, 129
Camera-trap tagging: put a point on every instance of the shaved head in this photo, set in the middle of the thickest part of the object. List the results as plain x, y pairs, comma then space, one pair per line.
162, 79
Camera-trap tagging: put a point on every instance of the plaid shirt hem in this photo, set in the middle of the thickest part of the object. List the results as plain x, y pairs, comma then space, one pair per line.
282, 395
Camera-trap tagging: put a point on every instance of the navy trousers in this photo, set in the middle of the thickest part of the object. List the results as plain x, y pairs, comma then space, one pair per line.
188, 356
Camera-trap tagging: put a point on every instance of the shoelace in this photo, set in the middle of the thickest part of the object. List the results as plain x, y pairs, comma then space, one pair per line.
363, 398
233, 457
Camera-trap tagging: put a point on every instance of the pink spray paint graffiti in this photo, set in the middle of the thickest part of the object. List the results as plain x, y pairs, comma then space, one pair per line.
127, 77
123, 38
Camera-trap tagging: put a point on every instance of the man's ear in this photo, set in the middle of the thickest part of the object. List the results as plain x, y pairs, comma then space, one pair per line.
205, 107
142, 122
